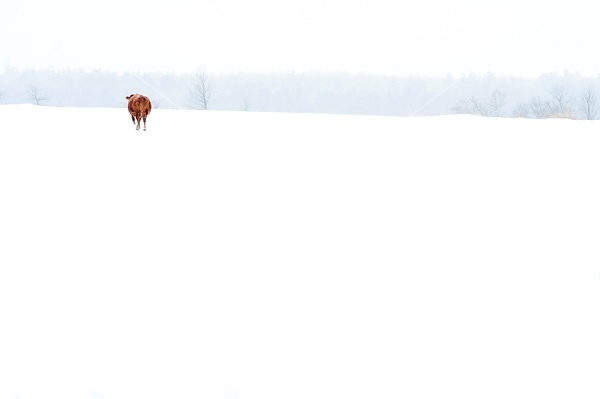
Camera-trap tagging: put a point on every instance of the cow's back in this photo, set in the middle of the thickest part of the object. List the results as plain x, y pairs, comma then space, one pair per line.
139, 104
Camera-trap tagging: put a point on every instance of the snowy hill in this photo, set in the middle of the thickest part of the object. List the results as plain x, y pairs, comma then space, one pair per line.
267, 256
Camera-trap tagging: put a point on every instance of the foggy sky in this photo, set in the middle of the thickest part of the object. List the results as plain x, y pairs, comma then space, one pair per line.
424, 37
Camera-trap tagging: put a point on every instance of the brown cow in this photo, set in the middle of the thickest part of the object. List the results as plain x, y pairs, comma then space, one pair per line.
139, 107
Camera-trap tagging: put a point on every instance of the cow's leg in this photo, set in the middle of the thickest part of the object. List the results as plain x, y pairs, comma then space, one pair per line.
133, 119
144, 118
138, 118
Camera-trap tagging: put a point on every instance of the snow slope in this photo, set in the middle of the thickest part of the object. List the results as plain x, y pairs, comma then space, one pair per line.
267, 256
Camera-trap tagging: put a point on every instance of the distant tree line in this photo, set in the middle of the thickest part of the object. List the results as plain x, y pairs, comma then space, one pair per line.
557, 104
566, 95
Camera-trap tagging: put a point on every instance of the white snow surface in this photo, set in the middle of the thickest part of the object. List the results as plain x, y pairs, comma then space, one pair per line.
266, 256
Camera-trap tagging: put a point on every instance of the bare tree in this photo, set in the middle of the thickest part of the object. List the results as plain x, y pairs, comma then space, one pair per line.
538, 108
475, 106
472, 106
589, 104
200, 91
496, 103
560, 103
35, 95
521, 111
462, 107
478, 107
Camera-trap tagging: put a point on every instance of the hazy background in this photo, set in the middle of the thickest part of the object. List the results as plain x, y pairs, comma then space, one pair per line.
421, 37
360, 57
567, 94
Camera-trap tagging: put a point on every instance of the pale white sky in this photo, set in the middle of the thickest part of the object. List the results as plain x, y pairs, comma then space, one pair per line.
423, 37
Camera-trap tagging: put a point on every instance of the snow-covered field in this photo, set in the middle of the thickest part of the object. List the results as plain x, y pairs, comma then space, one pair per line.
271, 256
